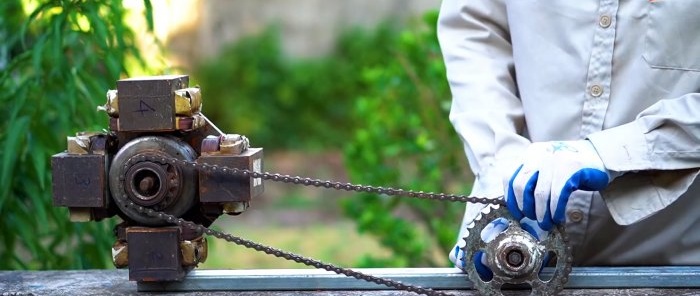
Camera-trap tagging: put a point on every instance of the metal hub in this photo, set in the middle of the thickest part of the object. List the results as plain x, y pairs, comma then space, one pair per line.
147, 183
515, 254
160, 186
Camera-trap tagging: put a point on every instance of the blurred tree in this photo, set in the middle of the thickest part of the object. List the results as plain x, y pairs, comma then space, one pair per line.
251, 88
404, 139
382, 97
57, 61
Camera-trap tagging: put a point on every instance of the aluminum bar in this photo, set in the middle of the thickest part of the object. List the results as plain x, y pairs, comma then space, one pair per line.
436, 278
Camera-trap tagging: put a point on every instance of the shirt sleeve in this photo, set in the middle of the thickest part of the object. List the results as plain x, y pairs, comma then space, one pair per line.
486, 111
659, 154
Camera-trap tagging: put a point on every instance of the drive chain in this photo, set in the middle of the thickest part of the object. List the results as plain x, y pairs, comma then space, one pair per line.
245, 173
213, 168
284, 254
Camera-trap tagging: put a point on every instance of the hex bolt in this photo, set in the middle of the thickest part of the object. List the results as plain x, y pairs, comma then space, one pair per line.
515, 258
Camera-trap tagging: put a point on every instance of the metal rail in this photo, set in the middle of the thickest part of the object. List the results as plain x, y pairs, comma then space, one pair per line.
435, 278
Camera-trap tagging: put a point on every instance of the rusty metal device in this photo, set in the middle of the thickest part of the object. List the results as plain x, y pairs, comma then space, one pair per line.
168, 172
157, 116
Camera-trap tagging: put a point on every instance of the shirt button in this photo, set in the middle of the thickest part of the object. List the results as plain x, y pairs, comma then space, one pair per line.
604, 21
575, 216
596, 90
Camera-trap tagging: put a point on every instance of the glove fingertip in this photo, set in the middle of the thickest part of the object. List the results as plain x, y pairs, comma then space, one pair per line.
455, 256
512, 205
484, 272
546, 224
529, 196
530, 230
514, 210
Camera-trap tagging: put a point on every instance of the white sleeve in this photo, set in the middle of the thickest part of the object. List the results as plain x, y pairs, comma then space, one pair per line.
659, 152
486, 111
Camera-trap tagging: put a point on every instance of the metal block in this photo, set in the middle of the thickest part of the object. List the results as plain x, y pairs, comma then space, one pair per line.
154, 254
225, 188
148, 103
114, 124
79, 180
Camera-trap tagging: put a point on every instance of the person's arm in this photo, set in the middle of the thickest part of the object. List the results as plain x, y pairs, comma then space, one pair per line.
639, 167
486, 111
659, 154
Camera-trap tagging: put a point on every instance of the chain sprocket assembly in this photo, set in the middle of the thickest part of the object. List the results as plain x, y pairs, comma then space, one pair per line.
169, 173
516, 256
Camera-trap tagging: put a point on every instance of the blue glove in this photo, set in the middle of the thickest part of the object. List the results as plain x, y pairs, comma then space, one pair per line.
490, 232
540, 188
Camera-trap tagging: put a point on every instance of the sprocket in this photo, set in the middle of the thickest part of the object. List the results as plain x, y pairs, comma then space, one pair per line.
516, 257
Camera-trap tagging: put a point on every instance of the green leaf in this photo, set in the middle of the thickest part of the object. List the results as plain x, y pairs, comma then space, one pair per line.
148, 13
13, 140
38, 53
30, 20
54, 77
40, 168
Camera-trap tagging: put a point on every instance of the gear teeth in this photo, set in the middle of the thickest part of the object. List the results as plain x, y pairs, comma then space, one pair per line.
477, 218
466, 233
489, 208
483, 213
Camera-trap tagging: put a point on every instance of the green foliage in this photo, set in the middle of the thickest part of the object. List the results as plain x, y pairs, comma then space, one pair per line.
56, 63
252, 89
382, 97
404, 139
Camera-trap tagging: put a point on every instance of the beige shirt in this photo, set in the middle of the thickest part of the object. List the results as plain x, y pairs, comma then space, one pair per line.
623, 74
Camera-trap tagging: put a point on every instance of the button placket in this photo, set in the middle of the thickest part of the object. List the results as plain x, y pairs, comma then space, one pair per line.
599, 70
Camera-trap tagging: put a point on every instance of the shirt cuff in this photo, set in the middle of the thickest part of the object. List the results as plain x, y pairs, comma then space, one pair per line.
636, 196
622, 148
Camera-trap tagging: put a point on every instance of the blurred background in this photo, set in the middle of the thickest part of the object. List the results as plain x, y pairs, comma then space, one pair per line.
352, 91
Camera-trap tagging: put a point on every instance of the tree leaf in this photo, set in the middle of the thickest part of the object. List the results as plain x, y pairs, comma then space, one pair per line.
11, 146
148, 13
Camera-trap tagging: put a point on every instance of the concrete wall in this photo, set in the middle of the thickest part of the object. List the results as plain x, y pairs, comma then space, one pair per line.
197, 29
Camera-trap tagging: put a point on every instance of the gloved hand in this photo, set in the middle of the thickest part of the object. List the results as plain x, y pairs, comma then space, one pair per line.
490, 232
540, 188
